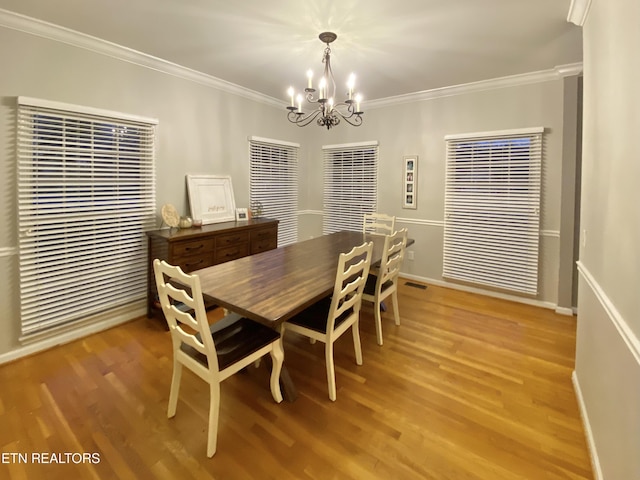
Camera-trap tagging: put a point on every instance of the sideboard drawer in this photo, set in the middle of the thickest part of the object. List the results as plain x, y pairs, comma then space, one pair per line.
263, 239
194, 262
231, 253
231, 239
192, 247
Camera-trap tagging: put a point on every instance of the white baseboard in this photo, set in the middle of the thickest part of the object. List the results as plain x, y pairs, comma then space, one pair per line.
37, 346
565, 311
593, 453
480, 291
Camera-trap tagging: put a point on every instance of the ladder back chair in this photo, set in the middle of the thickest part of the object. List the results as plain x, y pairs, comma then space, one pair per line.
329, 318
215, 352
378, 223
385, 282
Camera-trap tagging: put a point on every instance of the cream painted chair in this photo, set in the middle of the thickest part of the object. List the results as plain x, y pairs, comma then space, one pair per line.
329, 318
378, 223
385, 282
215, 352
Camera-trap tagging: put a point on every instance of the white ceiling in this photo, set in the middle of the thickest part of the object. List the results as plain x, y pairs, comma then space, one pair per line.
395, 47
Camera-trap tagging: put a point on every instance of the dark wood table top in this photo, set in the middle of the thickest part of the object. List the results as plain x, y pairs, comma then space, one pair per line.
273, 286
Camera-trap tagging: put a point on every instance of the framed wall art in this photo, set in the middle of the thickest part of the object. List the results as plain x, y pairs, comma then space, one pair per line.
410, 182
211, 198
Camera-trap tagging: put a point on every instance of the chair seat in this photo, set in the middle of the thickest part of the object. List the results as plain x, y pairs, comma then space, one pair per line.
315, 317
235, 338
370, 286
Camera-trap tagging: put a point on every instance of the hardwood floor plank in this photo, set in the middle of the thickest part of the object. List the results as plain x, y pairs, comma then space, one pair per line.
467, 387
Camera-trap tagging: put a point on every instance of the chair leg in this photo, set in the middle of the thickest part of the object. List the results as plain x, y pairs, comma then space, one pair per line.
175, 388
396, 310
277, 357
357, 348
378, 318
214, 411
331, 372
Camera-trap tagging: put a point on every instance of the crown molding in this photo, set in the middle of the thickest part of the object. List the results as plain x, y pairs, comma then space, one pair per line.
71, 37
50, 31
578, 11
555, 73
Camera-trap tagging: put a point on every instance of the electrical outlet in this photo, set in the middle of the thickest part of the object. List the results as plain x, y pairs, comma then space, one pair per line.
410, 255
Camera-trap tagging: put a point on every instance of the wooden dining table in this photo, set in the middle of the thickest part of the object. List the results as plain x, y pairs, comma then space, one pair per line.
273, 286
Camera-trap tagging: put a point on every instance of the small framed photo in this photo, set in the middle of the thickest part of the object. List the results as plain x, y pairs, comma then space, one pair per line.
242, 214
410, 182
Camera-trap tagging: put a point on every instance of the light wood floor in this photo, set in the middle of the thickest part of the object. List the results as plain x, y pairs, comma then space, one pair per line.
468, 387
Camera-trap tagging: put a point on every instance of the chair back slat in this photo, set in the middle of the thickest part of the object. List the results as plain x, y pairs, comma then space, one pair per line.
184, 310
392, 256
380, 223
353, 269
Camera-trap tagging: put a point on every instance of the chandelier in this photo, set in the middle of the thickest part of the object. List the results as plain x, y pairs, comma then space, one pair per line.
326, 113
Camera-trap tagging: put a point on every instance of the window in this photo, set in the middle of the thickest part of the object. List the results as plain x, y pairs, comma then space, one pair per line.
86, 195
492, 209
274, 183
350, 185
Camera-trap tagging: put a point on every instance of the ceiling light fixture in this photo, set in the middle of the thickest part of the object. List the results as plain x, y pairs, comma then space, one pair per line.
327, 113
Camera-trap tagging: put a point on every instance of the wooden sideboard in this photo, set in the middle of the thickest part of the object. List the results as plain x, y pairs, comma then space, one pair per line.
200, 247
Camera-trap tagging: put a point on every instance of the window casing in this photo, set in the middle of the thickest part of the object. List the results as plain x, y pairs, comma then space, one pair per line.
492, 209
274, 183
350, 185
86, 195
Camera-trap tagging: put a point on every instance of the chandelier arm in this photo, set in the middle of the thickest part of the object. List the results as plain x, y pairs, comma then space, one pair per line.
349, 109
301, 119
352, 118
354, 121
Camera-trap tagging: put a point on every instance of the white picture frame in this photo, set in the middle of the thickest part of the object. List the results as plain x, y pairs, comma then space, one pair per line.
242, 214
410, 182
211, 198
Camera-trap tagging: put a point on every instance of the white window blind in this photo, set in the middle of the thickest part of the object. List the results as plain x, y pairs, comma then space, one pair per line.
492, 209
86, 195
274, 183
350, 185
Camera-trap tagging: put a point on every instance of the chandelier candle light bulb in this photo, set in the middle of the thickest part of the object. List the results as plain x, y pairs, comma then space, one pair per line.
323, 84
309, 79
327, 112
350, 84
290, 92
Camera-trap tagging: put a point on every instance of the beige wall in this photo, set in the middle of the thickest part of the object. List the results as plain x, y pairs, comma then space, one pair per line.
607, 371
